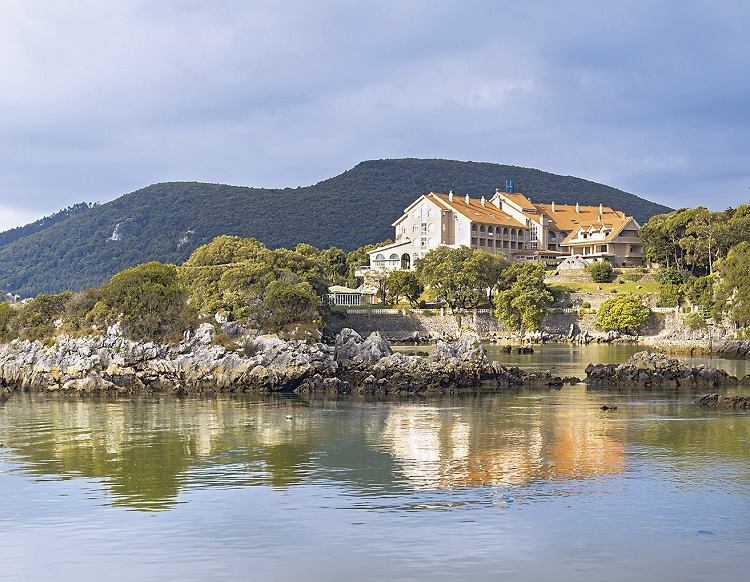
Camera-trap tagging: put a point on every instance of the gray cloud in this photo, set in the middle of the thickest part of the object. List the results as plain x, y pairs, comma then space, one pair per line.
99, 99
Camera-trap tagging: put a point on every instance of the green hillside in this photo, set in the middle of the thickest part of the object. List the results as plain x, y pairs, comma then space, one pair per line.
166, 222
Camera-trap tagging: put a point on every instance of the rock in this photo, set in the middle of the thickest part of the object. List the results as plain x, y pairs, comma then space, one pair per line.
205, 333
714, 400
351, 350
468, 349
647, 369
92, 383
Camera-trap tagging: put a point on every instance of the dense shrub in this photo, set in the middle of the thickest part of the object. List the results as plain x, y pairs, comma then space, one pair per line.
600, 271
625, 313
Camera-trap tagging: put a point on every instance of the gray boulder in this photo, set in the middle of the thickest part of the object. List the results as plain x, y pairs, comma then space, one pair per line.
351, 350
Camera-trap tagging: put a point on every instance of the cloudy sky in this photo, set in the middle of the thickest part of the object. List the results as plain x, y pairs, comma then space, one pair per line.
100, 98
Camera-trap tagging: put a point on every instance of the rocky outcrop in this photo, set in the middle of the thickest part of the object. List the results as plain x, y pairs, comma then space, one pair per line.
716, 401
352, 350
114, 365
647, 369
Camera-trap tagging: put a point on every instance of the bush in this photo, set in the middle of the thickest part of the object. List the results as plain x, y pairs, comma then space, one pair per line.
151, 300
695, 321
585, 305
600, 271
669, 275
625, 313
669, 295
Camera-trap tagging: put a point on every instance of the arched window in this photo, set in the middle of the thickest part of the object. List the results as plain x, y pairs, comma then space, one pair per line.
380, 257
393, 257
490, 231
430, 242
505, 232
482, 231
416, 242
431, 212
415, 228
415, 214
552, 236
403, 230
431, 228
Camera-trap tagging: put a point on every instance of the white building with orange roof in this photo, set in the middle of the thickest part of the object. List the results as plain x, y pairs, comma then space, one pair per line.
553, 227
511, 225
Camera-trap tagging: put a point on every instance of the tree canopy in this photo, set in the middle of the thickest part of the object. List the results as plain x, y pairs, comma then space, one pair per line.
624, 313
524, 299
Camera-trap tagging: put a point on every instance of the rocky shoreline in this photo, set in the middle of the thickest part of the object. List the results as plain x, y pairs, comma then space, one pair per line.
114, 365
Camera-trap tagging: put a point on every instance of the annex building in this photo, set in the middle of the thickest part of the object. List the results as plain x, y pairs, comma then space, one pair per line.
509, 223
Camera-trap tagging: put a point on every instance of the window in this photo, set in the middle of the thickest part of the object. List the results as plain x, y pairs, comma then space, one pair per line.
416, 242
415, 214
403, 230
430, 242
431, 212
394, 257
380, 257
415, 228
431, 227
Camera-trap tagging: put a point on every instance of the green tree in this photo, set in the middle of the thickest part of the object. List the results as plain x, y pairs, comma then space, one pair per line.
378, 278
461, 275
286, 303
600, 271
151, 300
523, 301
669, 295
701, 290
41, 317
8, 314
404, 284
624, 313
733, 289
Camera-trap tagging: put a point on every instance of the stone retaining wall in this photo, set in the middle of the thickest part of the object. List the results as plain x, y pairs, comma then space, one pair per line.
449, 326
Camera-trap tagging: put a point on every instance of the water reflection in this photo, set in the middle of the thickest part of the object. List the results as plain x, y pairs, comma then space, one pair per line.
148, 451
487, 442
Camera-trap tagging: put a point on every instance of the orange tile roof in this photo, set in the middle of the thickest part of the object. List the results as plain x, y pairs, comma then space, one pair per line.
565, 216
617, 225
519, 199
488, 214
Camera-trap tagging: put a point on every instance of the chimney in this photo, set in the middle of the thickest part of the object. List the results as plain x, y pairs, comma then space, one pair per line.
601, 209
484, 201
468, 200
553, 206
450, 196
578, 209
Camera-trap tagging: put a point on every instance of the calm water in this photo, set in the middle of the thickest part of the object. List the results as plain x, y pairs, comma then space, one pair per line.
524, 485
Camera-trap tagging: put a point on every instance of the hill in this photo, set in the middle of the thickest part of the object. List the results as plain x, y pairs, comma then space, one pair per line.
166, 222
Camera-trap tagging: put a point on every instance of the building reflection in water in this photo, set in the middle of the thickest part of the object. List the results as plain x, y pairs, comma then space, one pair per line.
438, 447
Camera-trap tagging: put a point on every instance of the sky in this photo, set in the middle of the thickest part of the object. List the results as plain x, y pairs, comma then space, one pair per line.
98, 99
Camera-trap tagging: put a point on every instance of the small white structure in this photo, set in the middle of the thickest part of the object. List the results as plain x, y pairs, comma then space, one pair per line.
338, 295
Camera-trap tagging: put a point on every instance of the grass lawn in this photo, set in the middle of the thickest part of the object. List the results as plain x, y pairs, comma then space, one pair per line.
627, 287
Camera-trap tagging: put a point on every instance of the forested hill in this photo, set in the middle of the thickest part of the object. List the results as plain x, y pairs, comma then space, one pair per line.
166, 222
